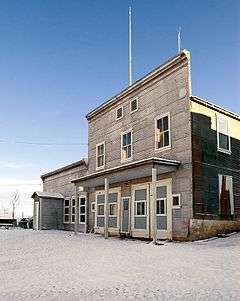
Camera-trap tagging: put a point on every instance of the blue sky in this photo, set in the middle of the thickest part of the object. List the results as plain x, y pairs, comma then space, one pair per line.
60, 59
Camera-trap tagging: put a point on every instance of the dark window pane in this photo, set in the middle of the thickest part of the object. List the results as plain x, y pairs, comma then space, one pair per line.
82, 210
82, 218
176, 201
119, 113
166, 138
66, 202
124, 139
125, 205
73, 218
66, 211
134, 105
66, 218
223, 141
160, 125
73, 202
82, 201
73, 210
128, 138
165, 123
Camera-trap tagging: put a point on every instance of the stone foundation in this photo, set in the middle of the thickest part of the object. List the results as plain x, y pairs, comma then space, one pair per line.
201, 229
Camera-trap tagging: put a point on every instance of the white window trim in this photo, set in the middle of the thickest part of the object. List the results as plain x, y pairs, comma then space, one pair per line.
222, 150
136, 98
104, 156
128, 159
113, 203
69, 211
93, 210
79, 215
118, 118
101, 215
165, 206
135, 209
179, 196
155, 132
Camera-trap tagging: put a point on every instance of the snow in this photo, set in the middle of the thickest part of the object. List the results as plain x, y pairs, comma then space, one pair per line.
56, 265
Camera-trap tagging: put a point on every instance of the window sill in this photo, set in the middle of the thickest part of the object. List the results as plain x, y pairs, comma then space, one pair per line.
163, 148
161, 214
140, 216
100, 168
225, 151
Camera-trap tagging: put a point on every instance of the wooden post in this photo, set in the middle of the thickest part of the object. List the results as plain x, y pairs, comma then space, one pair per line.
154, 203
106, 208
76, 210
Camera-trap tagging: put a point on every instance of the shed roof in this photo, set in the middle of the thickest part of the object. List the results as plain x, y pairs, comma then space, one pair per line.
49, 195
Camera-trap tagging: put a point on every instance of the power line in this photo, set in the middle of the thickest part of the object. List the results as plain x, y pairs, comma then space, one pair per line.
41, 143
21, 184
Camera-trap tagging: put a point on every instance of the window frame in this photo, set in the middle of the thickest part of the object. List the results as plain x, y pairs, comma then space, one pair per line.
79, 210
169, 130
118, 118
69, 214
122, 134
222, 150
179, 196
165, 207
104, 155
73, 198
135, 208
132, 111
232, 207
101, 215
113, 203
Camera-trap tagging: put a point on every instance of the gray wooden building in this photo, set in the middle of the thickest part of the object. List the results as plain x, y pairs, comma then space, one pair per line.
162, 163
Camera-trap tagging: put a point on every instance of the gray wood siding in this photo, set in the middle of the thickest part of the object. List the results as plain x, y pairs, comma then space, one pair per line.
157, 98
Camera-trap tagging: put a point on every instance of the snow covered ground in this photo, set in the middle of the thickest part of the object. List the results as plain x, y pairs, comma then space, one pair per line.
55, 265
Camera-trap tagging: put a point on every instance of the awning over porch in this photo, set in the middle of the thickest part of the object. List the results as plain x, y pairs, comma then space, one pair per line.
129, 171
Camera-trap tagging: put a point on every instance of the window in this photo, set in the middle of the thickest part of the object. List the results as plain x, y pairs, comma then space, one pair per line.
66, 211
113, 209
82, 210
134, 105
100, 210
93, 208
73, 210
161, 206
226, 204
119, 113
100, 155
162, 132
176, 201
140, 208
126, 148
223, 138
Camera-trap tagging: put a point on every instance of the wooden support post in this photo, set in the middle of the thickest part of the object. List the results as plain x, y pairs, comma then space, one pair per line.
154, 205
76, 210
106, 208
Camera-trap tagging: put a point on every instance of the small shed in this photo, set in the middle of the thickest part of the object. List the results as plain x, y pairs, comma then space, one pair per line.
47, 210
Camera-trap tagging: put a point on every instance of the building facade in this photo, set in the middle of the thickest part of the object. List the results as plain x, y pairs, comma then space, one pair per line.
162, 164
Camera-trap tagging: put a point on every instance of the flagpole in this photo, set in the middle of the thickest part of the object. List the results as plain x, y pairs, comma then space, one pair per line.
130, 44
179, 40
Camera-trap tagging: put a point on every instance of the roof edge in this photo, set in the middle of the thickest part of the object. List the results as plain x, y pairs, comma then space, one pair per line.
48, 195
64, 168
184, 54
215, 107
129, 165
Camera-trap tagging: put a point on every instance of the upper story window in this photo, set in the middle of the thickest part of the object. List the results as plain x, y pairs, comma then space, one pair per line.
162, 132
126, 145
100, 155
134, 105
119, 113
223, 137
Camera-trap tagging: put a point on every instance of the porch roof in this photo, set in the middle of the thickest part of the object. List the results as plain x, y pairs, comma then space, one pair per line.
129, 171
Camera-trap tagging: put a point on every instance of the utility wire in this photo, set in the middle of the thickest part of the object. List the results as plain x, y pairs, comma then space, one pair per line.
41, 143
